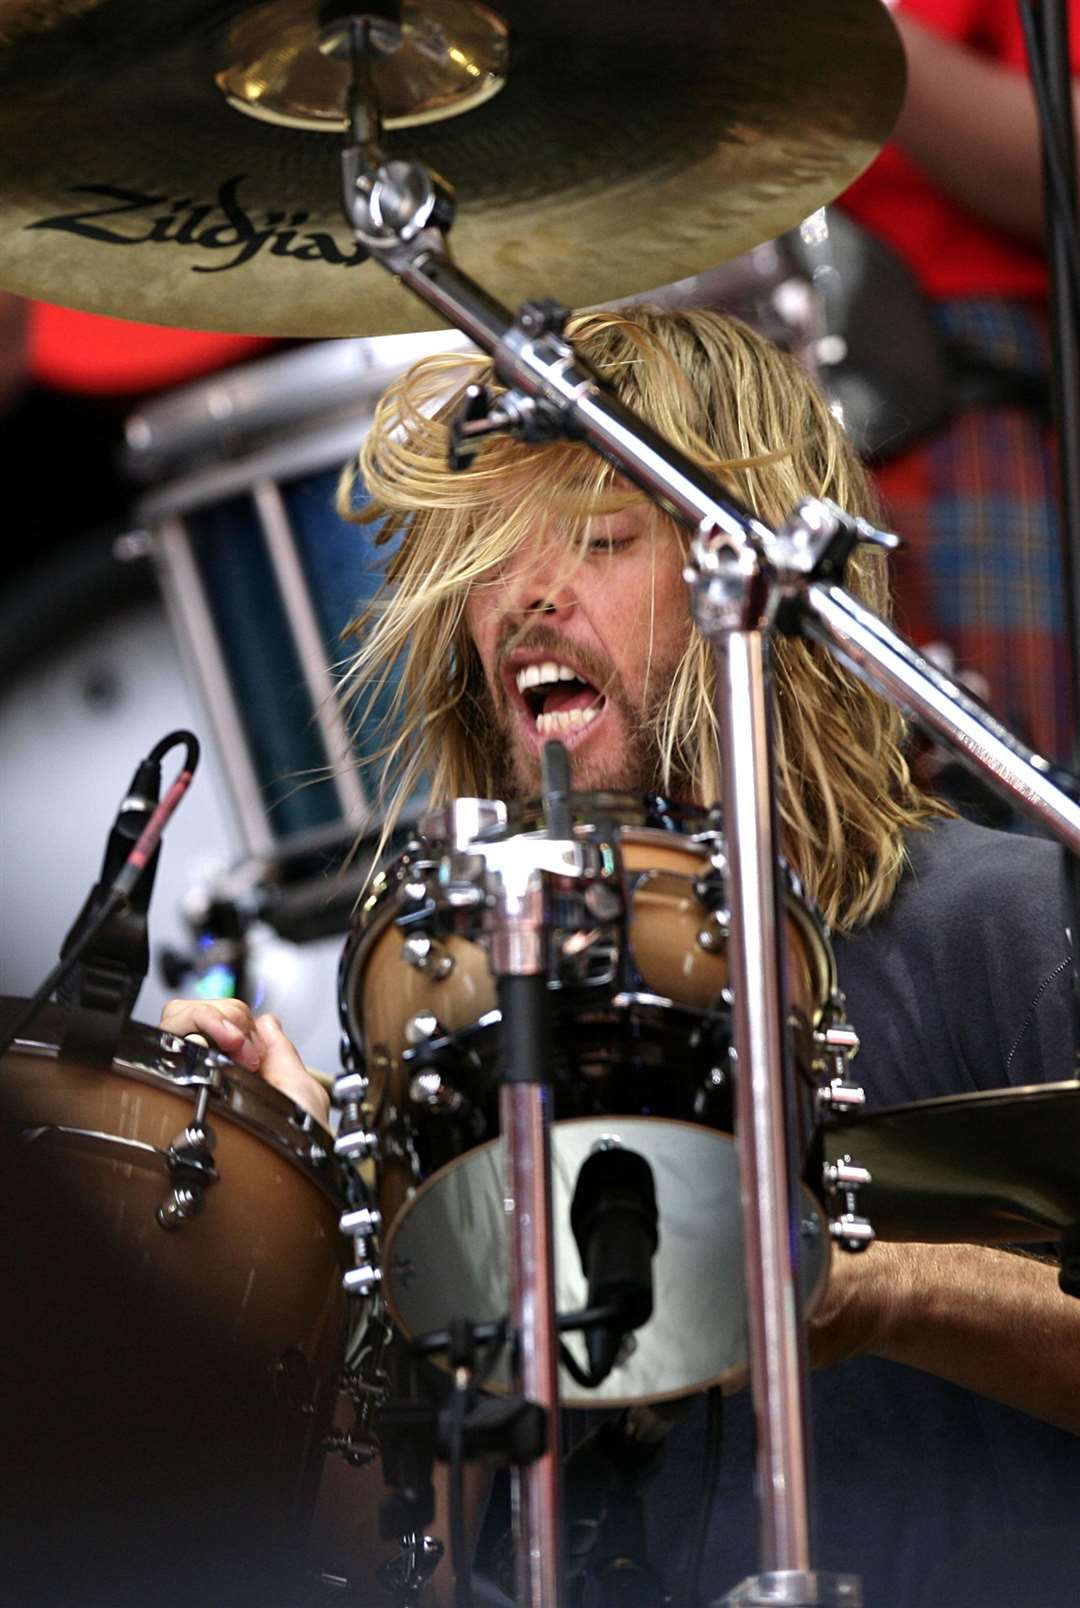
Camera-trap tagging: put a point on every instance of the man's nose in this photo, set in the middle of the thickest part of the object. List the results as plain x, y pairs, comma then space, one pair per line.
540, 584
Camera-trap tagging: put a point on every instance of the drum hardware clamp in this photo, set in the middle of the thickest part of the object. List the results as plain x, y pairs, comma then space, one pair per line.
406, 1575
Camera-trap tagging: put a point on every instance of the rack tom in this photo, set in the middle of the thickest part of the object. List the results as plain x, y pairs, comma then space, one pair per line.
640, 1032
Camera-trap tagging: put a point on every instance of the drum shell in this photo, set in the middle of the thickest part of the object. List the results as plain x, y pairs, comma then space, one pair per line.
382, 994
165, 1394
655, 1041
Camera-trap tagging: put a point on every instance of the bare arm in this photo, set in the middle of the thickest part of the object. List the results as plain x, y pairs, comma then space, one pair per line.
981, 1317
971, 125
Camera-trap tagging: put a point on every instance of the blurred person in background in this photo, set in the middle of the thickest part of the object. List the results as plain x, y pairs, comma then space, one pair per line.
958, 196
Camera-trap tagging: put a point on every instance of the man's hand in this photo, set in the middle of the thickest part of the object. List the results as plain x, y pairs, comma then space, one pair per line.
258, 1045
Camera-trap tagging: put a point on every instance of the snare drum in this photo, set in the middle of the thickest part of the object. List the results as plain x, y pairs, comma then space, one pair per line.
640, 1035
175, 1325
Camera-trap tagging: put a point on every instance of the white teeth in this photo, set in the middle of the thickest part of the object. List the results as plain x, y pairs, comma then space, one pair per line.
540, 675
565, 720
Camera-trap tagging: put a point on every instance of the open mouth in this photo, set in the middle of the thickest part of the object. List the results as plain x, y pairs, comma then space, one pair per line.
560, 701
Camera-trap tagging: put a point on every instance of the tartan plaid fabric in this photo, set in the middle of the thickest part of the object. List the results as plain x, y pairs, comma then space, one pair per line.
975, 504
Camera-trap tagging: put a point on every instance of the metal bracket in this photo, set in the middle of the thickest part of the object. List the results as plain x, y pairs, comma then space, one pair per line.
190, 1160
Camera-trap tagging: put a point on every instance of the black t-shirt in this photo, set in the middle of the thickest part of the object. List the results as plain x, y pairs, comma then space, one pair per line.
937, 1497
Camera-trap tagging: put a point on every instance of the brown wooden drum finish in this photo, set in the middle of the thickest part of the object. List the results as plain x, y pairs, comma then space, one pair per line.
676, 947
164, 1394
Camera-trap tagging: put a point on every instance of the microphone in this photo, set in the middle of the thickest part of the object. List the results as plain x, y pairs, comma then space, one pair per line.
112, 968
614, 1220
108, 940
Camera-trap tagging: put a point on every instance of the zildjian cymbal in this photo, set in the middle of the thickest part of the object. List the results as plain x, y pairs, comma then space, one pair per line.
596, 149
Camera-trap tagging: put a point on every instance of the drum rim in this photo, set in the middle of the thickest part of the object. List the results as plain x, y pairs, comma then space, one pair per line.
180, 1066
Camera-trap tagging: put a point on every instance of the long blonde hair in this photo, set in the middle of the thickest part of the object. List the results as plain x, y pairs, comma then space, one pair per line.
742, 410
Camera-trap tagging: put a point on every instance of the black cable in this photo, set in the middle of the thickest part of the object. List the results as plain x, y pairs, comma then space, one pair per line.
459, 1560
495, 1331
114, 902
714, 1425
1056, 165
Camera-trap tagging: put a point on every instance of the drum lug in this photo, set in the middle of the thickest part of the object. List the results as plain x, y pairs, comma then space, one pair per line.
843, 1180
363, 1280
190, 1160
361, 1223
422, 1027
713, 937
851, 1232
350, 1087
359, 1144
419, 949
836, 1044
429, 1088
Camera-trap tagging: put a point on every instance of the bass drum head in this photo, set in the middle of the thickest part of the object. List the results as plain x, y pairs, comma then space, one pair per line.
445, 1256
91, 679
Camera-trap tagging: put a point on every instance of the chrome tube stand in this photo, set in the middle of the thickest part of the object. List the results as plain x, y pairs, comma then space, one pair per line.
734, 596
518, 946
515, 879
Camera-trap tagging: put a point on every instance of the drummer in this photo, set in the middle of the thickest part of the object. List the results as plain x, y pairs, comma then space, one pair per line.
537, 596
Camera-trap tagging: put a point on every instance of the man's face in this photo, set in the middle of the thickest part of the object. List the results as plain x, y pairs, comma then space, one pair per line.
584, 653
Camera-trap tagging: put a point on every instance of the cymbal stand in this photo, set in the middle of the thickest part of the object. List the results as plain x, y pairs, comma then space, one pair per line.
745, 580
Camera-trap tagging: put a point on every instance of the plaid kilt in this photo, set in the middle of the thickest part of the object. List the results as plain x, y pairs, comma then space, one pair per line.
975, 503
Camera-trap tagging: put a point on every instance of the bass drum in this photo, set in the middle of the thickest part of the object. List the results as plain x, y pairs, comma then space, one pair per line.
640, 1034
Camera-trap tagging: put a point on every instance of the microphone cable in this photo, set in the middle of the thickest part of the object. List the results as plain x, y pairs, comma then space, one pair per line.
120, 890
710, 1473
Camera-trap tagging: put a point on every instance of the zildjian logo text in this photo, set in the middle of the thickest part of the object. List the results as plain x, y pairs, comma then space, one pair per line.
162, 221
